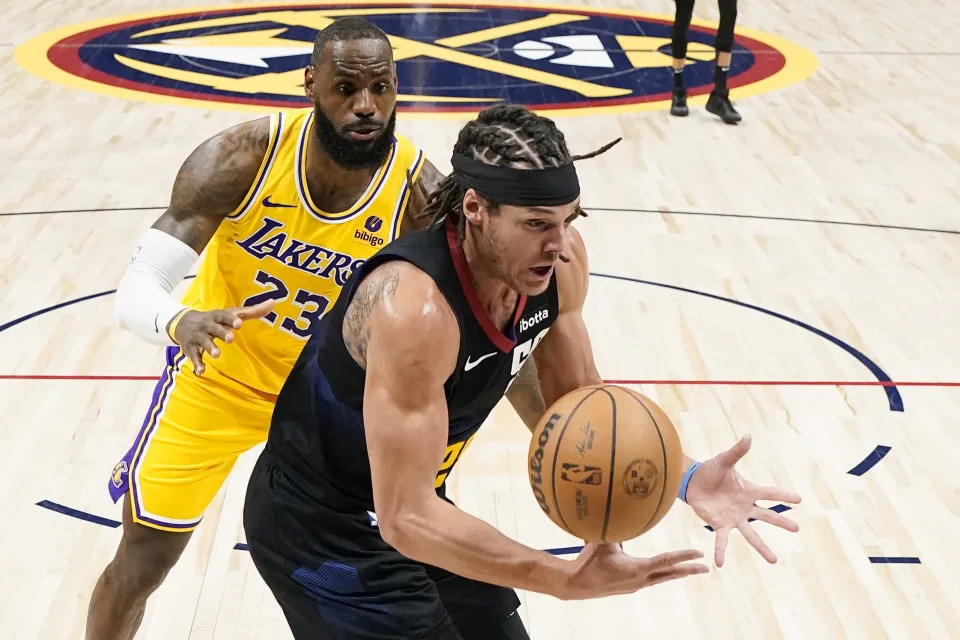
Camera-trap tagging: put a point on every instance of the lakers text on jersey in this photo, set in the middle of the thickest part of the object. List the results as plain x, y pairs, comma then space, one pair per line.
279, 245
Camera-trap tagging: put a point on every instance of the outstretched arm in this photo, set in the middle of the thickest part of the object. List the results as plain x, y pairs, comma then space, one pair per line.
715, 491
400, 328
210, 185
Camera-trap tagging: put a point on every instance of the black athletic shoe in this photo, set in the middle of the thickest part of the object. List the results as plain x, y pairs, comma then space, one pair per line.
678, 107
719, 104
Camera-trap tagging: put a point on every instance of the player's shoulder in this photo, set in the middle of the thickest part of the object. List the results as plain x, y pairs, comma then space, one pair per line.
573, 276
218, 173
411, 301
241, 145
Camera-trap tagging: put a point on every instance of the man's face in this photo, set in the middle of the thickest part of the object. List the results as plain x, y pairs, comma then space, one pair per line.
523, 244
354, 92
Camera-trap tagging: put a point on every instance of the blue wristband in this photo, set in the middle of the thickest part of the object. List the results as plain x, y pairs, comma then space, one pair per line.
686, 480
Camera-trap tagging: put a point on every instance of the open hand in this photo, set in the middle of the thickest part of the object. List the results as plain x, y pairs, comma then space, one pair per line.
725, 500
604, 569
196, 331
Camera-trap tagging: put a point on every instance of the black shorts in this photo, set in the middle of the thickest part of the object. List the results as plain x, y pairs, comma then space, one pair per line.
335, 577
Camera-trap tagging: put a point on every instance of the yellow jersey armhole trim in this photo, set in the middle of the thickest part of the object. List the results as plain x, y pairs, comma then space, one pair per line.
405, 194
276, 130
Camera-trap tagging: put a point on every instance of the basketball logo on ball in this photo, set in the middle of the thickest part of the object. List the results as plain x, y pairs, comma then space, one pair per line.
628, 467
572, 472
640, 478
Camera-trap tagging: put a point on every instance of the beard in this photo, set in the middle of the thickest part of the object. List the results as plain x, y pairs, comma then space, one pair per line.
353, 154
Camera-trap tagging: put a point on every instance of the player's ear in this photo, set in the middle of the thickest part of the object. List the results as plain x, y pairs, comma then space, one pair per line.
473, 206
308, 85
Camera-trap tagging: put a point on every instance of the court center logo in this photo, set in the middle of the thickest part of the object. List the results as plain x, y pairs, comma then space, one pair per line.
451, 58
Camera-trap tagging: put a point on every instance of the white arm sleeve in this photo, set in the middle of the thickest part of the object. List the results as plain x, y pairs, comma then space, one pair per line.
143, 304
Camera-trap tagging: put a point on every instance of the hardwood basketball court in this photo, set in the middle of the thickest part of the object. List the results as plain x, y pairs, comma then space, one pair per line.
793, 277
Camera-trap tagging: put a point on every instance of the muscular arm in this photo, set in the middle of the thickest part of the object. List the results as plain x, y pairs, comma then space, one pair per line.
213, 181
408, 337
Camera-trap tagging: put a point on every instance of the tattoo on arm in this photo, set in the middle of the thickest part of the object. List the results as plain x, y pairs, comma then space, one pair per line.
213, 181
379, 286
524, 394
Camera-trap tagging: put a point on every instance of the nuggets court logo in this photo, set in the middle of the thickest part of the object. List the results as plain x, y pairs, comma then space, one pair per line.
451, 58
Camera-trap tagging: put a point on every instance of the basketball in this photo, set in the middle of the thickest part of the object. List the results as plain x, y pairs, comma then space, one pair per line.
605, 463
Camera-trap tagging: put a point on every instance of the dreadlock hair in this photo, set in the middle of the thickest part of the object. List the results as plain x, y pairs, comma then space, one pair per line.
344, 29
505, 134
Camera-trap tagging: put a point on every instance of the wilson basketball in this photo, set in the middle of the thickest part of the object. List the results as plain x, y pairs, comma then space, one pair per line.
605, 463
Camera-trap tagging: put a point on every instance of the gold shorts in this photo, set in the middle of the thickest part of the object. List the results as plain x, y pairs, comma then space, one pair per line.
195, 429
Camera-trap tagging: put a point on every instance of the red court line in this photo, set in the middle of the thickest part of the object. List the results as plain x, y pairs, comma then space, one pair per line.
795, 383
738, 383
14, 376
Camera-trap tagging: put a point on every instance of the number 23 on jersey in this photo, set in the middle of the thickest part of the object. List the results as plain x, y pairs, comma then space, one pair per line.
312, 306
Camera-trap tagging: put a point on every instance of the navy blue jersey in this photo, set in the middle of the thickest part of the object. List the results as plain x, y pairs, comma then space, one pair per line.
317, 434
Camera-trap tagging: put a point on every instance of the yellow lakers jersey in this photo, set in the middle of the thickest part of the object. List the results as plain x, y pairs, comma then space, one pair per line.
279, 245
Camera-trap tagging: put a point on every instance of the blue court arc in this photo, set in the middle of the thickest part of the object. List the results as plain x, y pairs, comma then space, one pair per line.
894, 400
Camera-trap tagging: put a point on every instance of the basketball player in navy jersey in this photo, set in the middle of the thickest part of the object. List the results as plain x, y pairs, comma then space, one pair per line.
346, 516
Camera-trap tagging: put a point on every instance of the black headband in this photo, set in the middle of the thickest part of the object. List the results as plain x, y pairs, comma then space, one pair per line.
532, 187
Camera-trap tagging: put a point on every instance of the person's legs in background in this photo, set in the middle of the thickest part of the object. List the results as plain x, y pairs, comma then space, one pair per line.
681, 24
719, 102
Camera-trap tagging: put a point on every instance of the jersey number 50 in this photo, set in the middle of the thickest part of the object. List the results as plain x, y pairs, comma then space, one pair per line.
312, 306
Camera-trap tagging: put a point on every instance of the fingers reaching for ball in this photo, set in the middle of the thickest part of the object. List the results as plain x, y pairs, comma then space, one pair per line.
673, 565
604, 569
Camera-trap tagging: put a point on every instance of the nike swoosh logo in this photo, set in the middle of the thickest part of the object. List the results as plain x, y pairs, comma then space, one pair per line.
267, 203
470, 365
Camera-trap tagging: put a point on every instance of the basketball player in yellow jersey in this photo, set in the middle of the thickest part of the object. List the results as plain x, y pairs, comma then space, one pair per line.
285, 208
